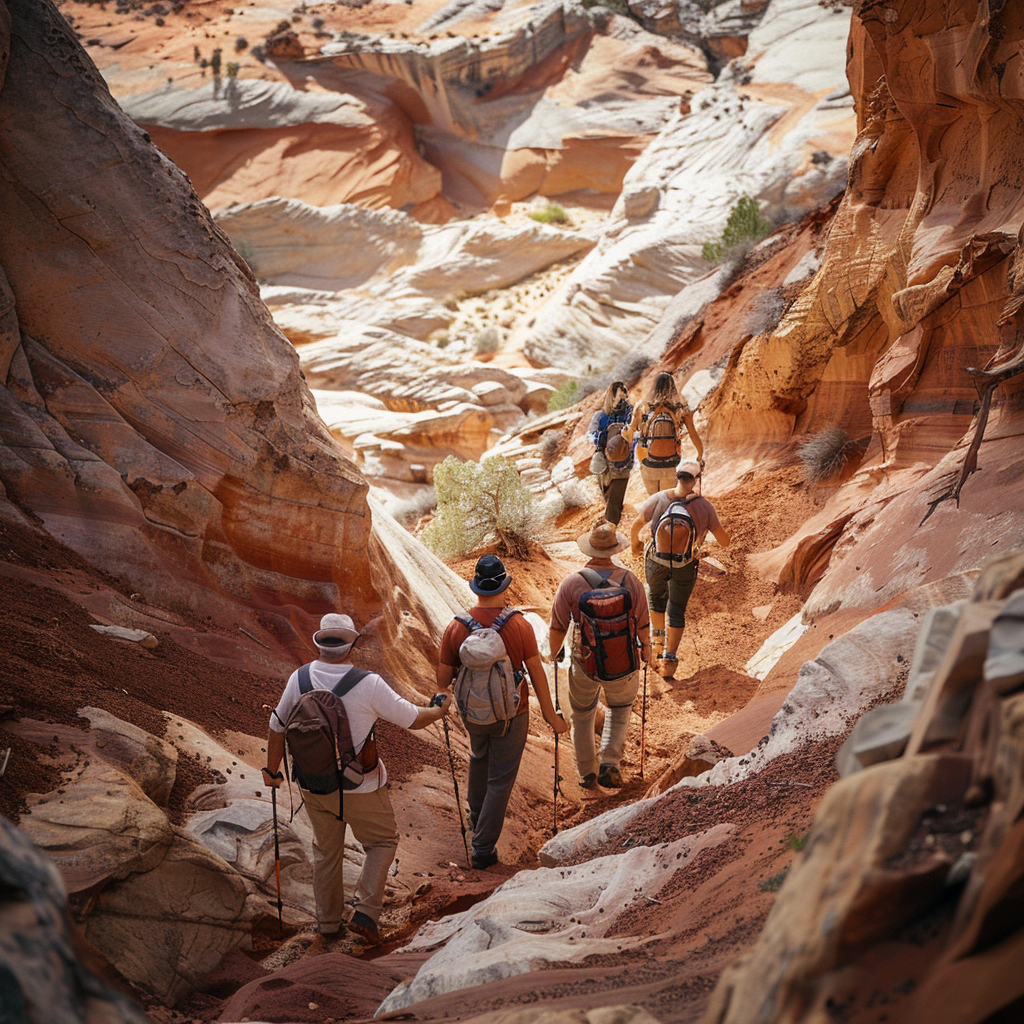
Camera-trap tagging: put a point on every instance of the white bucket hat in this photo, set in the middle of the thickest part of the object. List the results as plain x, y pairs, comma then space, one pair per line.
335, 631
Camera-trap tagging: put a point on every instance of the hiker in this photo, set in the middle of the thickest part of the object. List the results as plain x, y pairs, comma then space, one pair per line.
613, 455
608, 605
655, 432
366, 807
680, 521
496, 746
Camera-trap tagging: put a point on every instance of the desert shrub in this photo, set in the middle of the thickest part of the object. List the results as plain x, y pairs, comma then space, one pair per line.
773, 884
580, 493
488, 341
744, 229
478, 503
215, 61
409, 511
826, 453
231, 69
240, 44
248, 253
629, 369
551, 214
766, 311
564, 396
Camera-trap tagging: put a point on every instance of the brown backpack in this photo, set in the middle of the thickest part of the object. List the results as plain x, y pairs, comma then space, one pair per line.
660, 439
319, 739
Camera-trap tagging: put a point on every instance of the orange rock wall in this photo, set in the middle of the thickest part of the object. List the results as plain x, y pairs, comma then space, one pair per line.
154, 419
913, 283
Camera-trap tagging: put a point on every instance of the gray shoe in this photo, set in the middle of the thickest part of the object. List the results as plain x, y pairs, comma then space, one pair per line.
610, 777
588, 781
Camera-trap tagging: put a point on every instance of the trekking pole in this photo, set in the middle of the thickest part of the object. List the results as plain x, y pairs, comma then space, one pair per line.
643, 723
277, 857
436, 701
558, 777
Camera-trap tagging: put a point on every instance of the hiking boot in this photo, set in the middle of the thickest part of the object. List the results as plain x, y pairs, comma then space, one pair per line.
483, 861
610, 777
669, 662
588, 781
365, 927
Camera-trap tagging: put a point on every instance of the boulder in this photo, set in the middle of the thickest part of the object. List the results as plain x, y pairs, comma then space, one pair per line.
44, 978
165, 929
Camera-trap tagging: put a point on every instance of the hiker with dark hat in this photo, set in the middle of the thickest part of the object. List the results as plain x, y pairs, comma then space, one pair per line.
613, 455
366, 807
487, 653
680, 521
608, 607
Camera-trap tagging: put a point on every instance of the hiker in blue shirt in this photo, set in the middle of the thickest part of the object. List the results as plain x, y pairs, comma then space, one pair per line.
613, 455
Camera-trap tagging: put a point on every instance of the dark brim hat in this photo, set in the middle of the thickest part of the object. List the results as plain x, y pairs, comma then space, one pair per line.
490, 576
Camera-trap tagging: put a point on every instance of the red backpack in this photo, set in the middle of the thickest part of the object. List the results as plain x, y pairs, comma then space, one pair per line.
607, 628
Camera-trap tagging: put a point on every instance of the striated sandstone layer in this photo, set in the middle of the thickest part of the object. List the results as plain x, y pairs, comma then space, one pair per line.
155, 419
776, 125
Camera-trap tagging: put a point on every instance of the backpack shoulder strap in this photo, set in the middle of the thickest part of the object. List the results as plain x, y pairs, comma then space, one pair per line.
469, 622
504, 617
593, 577
349, 680
305, 683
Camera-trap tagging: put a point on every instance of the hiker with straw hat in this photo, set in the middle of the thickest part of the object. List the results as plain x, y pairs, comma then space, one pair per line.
366, 808
679, 520
595, 665
497, 735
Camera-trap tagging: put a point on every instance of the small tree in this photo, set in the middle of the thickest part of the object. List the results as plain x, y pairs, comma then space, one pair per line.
744, 228
477, 502
564, 396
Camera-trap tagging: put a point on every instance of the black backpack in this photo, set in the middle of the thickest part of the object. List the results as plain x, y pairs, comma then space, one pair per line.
607, 628
319, 739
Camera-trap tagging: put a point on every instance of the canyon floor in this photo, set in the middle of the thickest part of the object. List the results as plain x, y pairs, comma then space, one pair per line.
722, 903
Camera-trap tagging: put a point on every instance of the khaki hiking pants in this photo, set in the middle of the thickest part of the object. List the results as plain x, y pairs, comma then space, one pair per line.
583, 695
372, 820
657, 479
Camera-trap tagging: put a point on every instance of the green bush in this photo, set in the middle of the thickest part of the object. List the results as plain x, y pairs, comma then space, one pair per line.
477, 504
568, 394
744, 228
551, 214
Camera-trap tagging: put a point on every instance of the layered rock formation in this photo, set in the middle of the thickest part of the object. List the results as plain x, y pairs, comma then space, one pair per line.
155, 420
906, 896
776, 126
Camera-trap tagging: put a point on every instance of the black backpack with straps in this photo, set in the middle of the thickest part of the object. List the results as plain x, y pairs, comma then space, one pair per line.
319, 739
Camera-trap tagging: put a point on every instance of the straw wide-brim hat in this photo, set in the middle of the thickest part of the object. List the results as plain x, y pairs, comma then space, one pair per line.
602, 541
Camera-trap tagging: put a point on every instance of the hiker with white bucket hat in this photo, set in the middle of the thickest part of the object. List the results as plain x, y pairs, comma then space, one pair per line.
325, 719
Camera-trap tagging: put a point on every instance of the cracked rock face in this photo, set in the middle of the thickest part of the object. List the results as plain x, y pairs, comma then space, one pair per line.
154, 419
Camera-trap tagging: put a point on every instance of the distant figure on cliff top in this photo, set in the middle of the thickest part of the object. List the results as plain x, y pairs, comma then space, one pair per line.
656, 428
679, 520
608, 607
613, 455
487, 652
364, 697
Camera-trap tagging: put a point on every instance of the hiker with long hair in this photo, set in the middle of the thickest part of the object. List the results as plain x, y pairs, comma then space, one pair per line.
488, 652
366, 809
679, 520
655, 430
608, 606
613, 454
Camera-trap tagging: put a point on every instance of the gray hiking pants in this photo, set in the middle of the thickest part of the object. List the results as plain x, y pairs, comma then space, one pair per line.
493, 766
583, 694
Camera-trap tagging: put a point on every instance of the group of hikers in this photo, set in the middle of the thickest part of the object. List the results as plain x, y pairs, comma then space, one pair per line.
484, 660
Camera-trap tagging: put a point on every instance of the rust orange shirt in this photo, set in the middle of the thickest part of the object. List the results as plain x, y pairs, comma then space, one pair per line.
517, 635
